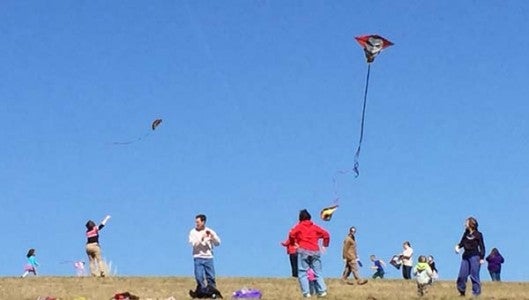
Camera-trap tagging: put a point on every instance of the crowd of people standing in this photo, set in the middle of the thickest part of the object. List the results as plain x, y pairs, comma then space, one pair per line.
305, 245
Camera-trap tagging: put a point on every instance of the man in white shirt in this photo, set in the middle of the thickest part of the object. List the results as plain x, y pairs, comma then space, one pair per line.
203, 239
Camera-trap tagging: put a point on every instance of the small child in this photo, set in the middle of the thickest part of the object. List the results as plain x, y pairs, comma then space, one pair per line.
31, 265
431, 263
311, 276
79, 268
423, 274
378, 265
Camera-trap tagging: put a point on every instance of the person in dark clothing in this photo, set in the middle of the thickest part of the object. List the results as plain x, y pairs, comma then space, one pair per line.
431, 263
93, 249
292, 251
473, 256
495, 260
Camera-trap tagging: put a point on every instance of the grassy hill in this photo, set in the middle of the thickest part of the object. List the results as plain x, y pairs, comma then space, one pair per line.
272, 288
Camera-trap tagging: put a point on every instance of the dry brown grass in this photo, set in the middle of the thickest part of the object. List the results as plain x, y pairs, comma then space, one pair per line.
272, 288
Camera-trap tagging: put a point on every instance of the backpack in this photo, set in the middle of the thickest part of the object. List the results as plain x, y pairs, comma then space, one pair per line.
207, 292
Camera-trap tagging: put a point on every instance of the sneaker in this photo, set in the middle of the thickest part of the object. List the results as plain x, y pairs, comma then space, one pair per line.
322, 294
306, 296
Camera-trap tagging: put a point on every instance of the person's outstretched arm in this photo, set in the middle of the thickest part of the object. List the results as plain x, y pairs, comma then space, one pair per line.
104, 222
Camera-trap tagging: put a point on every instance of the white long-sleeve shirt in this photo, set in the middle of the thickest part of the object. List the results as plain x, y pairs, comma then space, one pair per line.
203, 244
408, 252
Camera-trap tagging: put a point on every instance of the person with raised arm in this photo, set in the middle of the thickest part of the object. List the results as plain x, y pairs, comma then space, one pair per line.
93, 248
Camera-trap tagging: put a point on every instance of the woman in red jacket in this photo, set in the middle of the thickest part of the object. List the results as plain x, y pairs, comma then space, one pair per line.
306, 235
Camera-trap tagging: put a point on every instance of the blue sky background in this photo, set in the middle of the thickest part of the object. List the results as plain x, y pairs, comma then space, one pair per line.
261, 102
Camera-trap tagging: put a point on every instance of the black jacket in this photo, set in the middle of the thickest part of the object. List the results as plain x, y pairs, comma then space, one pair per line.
473, 244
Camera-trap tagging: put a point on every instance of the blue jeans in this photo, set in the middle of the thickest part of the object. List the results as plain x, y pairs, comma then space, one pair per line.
204, 272
306, 260
469, 267
495, 276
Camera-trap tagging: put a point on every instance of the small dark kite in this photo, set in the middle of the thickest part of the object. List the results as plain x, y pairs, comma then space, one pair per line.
155, 123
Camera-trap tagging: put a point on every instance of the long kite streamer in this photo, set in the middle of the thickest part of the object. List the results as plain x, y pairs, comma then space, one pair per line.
373, 45
362, 122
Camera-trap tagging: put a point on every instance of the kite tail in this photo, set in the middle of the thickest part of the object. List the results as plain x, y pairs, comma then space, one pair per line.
335, 184
357, 154
133, 141
66, 262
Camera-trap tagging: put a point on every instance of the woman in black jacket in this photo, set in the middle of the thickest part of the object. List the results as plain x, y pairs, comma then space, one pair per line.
473, 256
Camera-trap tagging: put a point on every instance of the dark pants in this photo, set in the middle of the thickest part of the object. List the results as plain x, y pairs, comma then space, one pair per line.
406, 272
469, 267
495, 276
379, 273
294, 264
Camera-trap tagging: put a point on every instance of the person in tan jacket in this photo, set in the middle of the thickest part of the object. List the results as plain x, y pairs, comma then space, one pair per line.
351, 258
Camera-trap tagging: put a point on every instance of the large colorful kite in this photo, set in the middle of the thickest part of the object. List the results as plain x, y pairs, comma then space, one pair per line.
372, 45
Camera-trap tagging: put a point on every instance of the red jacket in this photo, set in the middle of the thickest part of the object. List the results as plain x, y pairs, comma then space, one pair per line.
306, 234
291, 247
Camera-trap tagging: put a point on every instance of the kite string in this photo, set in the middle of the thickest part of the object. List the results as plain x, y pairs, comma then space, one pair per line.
146, 135
357, 154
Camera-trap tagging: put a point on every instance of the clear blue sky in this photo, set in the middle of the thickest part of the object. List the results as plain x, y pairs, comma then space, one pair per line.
261, 102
